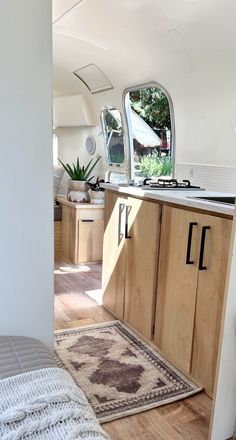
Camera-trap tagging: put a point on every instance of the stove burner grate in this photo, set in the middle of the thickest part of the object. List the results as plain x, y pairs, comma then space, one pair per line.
168, 184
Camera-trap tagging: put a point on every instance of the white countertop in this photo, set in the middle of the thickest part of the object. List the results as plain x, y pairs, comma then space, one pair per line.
182, 197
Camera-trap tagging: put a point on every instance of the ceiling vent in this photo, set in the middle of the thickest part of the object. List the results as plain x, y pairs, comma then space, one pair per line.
94, 78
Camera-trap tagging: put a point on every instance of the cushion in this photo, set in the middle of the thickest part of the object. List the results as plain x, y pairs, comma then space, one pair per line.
58, 172
63, 188
20, 354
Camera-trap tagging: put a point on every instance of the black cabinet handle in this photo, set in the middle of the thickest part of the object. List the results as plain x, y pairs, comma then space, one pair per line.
190, 235
87, 221
202, 248
121, 209
127, 211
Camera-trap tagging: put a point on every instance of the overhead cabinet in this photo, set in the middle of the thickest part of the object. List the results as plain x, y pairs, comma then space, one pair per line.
190, 290
72, 111
130, 260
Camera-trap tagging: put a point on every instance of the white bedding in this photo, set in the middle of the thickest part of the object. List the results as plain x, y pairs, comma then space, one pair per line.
46, 404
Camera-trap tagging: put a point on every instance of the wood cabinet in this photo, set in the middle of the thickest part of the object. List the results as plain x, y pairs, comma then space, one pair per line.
169, 276
82, 232
209, 303
130, 260
191, 280
176, 291
90, 240
141, 265
114, 254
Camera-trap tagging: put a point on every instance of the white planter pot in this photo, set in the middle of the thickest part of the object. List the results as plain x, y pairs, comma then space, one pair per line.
78, 191
97, 197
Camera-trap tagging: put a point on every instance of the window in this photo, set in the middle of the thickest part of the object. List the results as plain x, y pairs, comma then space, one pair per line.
113, 136
150, 127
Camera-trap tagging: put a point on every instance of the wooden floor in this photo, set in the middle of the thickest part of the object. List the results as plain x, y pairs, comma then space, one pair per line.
77, 303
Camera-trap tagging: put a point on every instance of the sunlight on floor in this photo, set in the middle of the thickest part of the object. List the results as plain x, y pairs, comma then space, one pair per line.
62, 270
96, 295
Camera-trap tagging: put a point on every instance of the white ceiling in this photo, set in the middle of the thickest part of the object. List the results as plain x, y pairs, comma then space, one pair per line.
61, 7
134, 41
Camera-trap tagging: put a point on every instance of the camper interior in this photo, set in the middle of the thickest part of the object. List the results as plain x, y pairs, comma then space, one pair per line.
118, 266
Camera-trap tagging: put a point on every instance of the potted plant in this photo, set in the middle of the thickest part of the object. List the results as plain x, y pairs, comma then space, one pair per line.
97, 193
78, 184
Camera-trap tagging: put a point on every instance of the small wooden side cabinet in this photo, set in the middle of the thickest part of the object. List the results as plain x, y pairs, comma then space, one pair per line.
82, 232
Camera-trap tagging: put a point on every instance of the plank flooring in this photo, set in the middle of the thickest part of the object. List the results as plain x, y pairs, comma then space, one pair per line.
78, 303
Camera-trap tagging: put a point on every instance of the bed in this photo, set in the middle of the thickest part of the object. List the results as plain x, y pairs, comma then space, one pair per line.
38, 400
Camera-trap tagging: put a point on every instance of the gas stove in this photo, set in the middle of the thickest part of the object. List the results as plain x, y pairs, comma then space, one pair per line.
169, 184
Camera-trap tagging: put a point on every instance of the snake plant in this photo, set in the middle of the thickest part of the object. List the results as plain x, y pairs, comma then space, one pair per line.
77, 172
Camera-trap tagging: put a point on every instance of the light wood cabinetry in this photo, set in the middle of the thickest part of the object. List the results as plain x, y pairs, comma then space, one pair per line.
169, 276
141, 266
82, 232
191, 280
90, 240
209, 304
114, 254
176, 291
130, 260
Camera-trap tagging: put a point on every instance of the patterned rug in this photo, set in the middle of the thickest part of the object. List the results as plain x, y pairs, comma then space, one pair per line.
119, 373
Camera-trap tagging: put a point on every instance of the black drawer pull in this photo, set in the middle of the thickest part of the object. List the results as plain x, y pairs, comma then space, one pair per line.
189, 245
87, 221
127, 211
202, 248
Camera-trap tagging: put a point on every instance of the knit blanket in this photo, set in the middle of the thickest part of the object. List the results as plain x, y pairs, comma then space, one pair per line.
46, 405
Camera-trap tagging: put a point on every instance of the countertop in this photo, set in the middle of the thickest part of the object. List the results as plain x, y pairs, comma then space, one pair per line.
182, 197
64, 201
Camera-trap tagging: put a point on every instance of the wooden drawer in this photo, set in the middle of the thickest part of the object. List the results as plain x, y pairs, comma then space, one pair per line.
90, 214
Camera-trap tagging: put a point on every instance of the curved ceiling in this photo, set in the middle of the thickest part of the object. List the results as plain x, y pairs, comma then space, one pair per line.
134, 41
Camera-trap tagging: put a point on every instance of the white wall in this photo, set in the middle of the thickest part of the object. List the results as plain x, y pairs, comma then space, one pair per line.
205, 116
26, 220
205, 113
72, 111
72, 145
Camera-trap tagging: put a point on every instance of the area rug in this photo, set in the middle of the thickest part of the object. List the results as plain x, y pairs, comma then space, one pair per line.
119, 373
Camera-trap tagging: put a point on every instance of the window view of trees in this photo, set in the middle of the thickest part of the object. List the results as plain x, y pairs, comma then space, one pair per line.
152, 154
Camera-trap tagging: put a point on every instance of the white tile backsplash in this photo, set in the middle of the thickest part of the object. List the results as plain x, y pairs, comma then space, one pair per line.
212, 178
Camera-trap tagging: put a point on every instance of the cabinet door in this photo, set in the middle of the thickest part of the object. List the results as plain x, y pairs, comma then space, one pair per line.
69, 234
114, 254
143, 220
90, 240
210, 295
177, 285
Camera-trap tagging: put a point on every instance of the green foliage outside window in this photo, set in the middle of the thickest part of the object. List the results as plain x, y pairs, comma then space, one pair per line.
153, 165
152, 105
